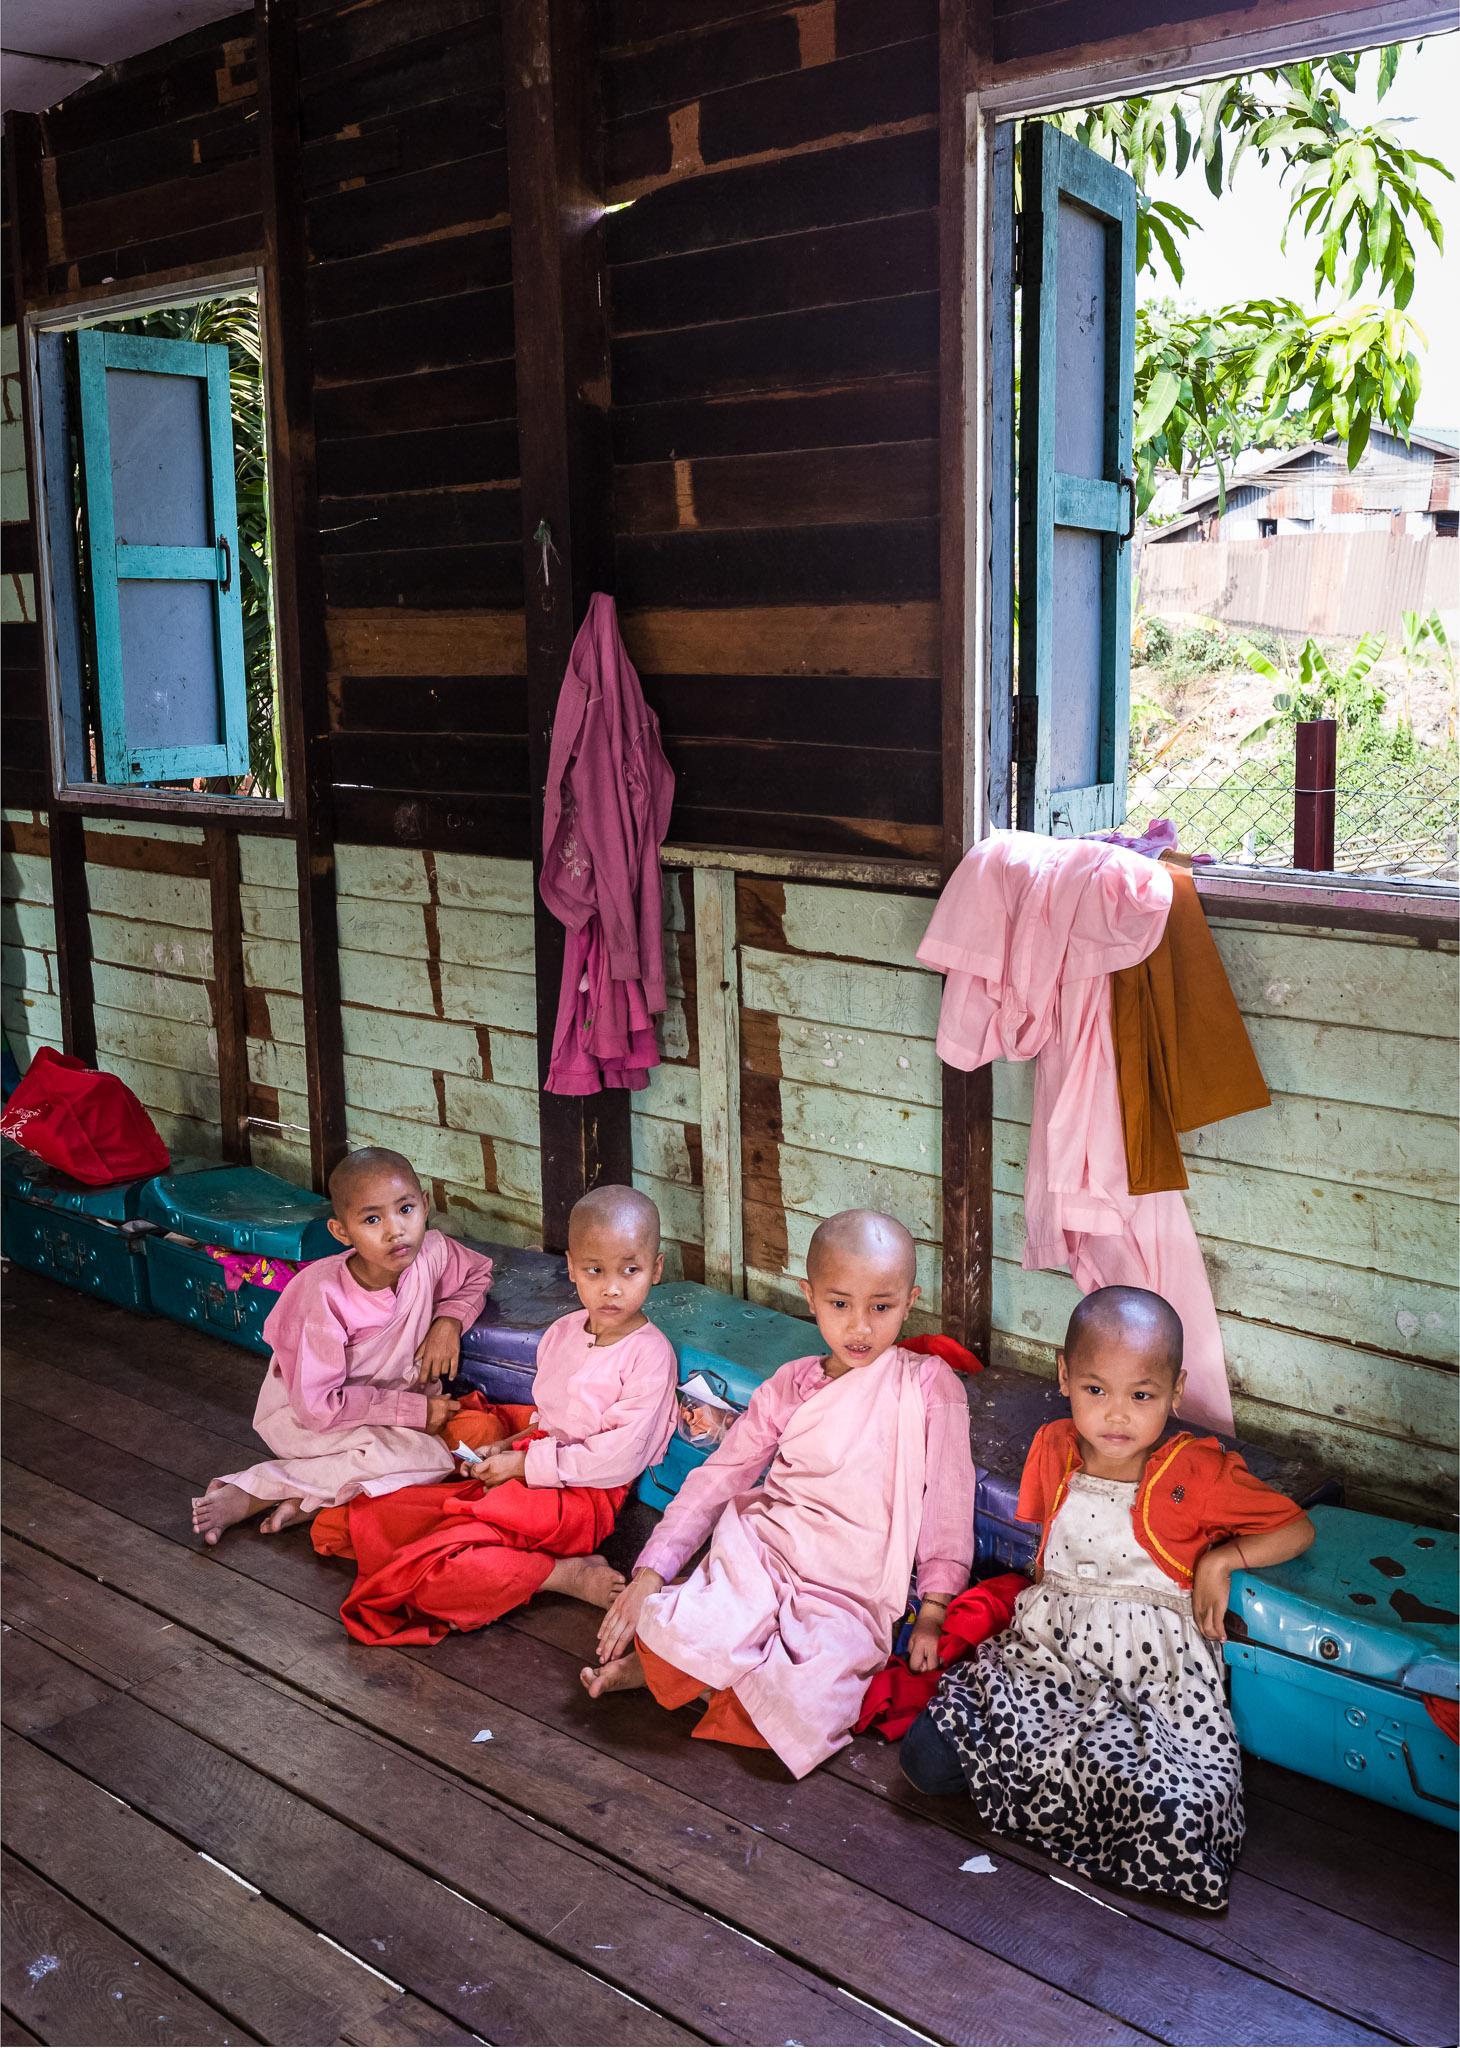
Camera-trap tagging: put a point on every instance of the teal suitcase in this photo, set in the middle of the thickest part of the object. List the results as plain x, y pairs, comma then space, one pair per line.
238, 1209
1333, 1656
85, 1237
726, 1349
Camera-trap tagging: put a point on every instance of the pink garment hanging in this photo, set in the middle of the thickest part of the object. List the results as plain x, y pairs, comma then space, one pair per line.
1028, 932
606, 812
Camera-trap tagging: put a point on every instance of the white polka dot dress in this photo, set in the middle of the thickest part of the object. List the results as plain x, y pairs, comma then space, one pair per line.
1096, 1724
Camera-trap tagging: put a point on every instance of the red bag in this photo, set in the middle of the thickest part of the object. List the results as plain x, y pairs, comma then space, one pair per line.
88, 1124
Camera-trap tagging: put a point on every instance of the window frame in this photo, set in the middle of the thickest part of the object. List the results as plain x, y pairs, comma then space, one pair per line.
1145, 62
87, 310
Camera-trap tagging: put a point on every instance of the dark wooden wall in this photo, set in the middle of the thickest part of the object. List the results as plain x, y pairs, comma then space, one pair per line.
411, 340
774, 289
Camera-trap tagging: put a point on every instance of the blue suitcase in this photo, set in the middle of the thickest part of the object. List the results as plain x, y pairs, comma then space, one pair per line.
530, 1289
85, 1237
1006, 1407
727, 1347
238, 1209
1332, 1655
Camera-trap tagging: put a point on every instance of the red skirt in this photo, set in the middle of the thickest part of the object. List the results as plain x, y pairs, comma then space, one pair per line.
434, 1558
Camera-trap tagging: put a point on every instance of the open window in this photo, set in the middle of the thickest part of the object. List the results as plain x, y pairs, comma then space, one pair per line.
1077, 493
151, 435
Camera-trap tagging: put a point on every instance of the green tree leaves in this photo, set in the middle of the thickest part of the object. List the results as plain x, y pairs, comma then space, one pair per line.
1266, 372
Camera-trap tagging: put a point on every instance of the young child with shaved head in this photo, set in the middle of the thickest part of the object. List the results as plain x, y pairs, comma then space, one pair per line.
847, 1469
1097, 1723
352, 1401
535, 1508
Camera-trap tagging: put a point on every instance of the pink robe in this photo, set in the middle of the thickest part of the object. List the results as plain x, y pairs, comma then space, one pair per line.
808, 1570
343, 1406
1028, 932
609, 1409
606, 812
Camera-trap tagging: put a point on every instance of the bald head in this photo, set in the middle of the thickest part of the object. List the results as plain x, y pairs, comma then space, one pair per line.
1137, 1321
358, 1170
618, 1212
866, 1238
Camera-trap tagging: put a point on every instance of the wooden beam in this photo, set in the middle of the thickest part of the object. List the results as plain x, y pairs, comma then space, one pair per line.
71, 905
555, 186
230, 1027
300, 648
717, 997
964, 396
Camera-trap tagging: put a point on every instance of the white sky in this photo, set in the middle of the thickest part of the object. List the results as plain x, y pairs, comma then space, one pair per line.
1236, 253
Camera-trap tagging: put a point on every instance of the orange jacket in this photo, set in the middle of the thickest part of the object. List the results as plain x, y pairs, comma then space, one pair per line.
1193, 1494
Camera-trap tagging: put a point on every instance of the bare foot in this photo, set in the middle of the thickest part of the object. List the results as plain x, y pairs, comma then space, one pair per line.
592, 1579
220, 1507
285, 1515
624, 1674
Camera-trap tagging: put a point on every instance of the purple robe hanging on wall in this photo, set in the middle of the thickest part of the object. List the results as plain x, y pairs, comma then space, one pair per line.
606, 812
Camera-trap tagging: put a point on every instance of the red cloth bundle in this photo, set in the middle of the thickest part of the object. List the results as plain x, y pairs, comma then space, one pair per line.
948, 1349
898, 1695
90, 1125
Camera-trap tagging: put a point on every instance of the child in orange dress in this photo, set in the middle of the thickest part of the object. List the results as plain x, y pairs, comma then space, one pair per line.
1097, 1723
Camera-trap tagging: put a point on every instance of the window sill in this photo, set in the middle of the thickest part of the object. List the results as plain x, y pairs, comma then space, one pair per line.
1364, 903
102, 799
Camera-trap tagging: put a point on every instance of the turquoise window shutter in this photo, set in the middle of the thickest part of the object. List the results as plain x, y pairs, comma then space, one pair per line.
1076, 488
157, 456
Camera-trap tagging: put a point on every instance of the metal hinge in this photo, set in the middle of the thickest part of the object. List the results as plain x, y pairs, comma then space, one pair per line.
1026, 728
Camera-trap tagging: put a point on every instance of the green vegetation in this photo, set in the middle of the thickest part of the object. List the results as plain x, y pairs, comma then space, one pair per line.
1266, 372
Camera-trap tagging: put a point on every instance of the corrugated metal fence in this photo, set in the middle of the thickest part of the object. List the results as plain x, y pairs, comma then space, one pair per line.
1332, 584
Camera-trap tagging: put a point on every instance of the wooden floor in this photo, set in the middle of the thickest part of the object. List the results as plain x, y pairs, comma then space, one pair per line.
223, 1822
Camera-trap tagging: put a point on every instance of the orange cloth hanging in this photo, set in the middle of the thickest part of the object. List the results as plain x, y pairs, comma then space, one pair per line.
724, 1719
1182, 1054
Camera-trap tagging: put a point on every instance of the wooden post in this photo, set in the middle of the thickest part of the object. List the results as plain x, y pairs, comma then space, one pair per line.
69, 897
555, 185
300, 648
717, 989
964, 202
230, 1025
1314, 782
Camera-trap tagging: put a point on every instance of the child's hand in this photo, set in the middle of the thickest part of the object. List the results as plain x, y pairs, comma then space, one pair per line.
499, 1463
922, 1648
439, 1351
621, 1623
440, 1410
1211, 1591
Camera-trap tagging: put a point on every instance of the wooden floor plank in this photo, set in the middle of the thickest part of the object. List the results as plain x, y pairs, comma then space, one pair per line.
918, 1972
1419, 1843
1313, 1961
440, 1946
72, 1980
1309, 1917
12, 2033
1304, 1956
237, 1953
617, 1925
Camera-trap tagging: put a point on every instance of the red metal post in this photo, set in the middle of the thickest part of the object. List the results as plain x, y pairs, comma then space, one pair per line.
1313, 793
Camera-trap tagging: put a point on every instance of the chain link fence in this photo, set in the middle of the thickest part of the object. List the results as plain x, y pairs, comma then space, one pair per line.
1391, 818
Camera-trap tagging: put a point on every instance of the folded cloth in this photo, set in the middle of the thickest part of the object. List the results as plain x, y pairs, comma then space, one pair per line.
897, 1694
948, 1349
1182, 1054
251, 1268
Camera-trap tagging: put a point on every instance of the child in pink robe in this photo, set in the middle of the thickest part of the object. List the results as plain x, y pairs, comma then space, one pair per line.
352, 1401
870, 1473
535, 1509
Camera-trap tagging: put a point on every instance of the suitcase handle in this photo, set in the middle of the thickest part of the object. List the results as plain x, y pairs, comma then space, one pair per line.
1419, 1790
